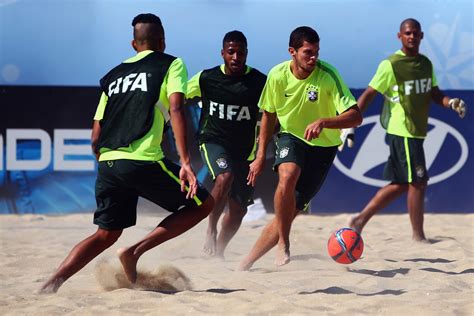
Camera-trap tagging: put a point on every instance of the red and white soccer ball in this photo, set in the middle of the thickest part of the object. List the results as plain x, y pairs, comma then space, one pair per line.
345, 245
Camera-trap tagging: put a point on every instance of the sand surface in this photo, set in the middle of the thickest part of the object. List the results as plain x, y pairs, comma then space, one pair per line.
395, 276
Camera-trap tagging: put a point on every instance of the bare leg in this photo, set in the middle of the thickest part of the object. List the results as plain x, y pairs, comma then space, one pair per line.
382, 198
172, 226
230, 225
278, 230
219, 192
80, 255
416, 209
285, 208
267, 240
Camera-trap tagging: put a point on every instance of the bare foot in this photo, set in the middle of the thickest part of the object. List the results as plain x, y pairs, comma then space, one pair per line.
129, 264
282, 256
244, 265
51, 286
210, 244
421, 238
355, 223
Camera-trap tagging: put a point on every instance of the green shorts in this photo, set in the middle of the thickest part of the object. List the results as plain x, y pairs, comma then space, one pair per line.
218, 160
314, 162
120, 182
406, 163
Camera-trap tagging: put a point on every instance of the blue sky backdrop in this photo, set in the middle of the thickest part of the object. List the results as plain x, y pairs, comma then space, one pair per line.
75, 42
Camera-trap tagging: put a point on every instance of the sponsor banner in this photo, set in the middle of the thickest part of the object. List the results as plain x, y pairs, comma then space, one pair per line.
357, 172
46, 164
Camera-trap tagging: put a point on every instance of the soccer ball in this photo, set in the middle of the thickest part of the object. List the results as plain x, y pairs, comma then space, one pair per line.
345, 245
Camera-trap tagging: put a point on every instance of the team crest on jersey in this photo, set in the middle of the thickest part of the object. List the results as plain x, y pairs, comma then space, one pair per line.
312, 93
221, 163
283, 152
420, 171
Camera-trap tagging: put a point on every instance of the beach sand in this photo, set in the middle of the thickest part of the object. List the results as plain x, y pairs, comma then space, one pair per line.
395, 276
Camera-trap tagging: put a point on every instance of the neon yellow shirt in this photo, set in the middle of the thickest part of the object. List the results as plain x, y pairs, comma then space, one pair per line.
298, 103
148, 148
385, 83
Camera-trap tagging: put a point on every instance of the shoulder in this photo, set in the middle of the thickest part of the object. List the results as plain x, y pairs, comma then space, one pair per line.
327, 67
279, 71
329, 70
212, 70
425, 58
257, 74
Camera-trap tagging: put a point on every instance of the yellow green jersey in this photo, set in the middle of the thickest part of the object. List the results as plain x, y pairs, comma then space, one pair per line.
407, 99
298, 103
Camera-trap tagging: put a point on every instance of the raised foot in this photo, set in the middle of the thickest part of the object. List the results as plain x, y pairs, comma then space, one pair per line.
355, 223
129, 264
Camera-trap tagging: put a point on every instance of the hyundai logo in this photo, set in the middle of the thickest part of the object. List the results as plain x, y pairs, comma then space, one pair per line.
373, 152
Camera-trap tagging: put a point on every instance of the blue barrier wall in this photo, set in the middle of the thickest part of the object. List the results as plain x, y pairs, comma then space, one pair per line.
53, 52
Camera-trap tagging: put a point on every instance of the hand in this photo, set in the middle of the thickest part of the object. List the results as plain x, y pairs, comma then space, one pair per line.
255, 169
459, 106
313, 130
186, 175
347, 135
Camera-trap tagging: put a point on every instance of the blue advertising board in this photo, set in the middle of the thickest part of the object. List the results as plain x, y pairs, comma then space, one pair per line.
50, 64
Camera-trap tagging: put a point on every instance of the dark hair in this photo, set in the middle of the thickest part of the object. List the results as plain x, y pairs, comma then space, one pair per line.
301, 34
234, 36
146, 18
411, 21
153, 32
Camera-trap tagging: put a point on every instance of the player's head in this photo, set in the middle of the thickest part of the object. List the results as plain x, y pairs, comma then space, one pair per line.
304, 48
410, 35
148, 33
234, 52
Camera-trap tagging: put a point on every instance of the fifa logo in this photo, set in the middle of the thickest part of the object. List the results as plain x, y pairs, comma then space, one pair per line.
418, 85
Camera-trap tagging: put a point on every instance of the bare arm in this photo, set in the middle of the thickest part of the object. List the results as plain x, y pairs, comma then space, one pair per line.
178, 123
438, 97
366, 98
350, 118
267, 127
95, 138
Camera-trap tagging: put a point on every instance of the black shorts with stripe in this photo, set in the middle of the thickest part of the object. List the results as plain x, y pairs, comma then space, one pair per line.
406, 163
219, 160
120, 182
314, 161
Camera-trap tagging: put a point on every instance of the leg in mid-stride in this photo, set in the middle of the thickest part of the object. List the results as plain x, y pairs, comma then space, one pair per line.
173, 225
80, 255
219, 192
231, 222
406, 169
277, 231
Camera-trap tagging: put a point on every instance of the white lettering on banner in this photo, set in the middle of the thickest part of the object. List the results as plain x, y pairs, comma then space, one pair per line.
13, 163
125, 82
421, 86
229, 112
60, 150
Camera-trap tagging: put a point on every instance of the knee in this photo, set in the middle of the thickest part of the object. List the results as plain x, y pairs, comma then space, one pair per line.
224, 180
108, 237
287, 180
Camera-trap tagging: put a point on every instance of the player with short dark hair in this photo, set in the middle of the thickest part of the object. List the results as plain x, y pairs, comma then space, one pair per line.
408, 83
229, 95
311, 102
138, 97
